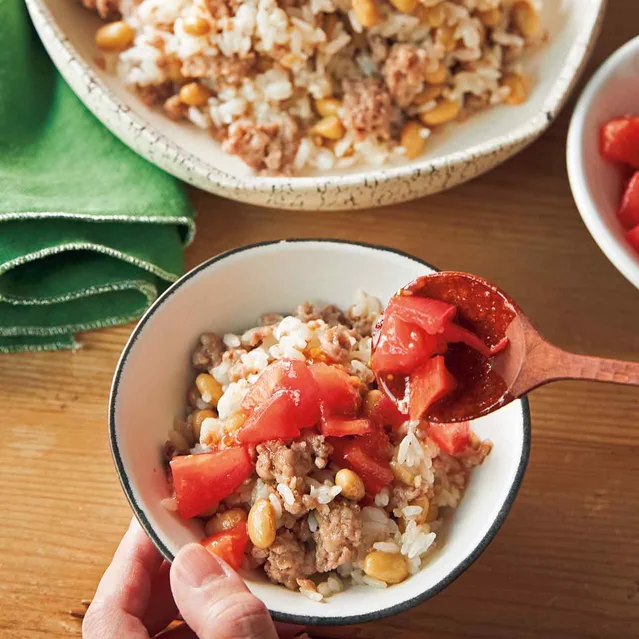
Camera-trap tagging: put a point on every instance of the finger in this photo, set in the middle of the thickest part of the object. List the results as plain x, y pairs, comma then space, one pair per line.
214, 600
161, 609
289, 630
123, 593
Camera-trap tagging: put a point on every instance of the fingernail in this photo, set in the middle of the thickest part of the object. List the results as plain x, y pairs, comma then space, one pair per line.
196, 566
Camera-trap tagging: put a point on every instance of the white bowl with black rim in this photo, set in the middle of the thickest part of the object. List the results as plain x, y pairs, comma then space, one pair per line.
463, 151
227, 294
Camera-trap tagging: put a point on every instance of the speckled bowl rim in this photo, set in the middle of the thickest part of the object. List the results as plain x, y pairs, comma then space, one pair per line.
309, 620
176, 160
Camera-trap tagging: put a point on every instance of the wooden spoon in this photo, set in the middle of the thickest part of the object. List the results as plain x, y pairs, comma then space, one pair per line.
529, 361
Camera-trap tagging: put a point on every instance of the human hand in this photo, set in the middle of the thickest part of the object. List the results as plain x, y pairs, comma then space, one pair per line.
140, 594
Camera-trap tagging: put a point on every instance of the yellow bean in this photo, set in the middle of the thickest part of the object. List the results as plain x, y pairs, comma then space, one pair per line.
196, 26
445, 36
366, 12
412, 139
445, 111
402, 473
327, 106
261, 524
224, 521
198, 418
432, 16
518, 88
194, 94
526, 19
490, 17
209, 387
430, 92
115, 36
330, 127
351, 484
438, 76
388, 567
405, 6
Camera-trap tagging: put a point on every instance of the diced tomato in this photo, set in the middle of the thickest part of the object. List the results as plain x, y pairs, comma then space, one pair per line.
381, 410
427, 384
455, 333
290, 375
337, 393
451, 438
628, 212
335, 427
620, 141
277, 418
229, 545
402, 346
201, 481
432, 316
377, 444
633, 238
362, 455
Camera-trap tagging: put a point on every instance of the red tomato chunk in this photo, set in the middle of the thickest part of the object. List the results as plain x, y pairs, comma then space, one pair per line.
278, 418
633, 238
428, 384
620, 141
628, 213
229, 545
337, 394
451, 438
202, 481
334, 427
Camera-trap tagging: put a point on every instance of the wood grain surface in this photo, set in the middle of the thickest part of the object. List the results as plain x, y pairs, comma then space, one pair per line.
566, 562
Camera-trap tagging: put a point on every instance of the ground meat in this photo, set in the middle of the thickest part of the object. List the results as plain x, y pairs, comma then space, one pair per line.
154, 94
286, 561
405, 72
333, 315
368, 109
269, 148
257, 336
209, 353
104, 8
402, 495
270, 319
336, 343
281, 462
338, 534
321, 449
175, 108
307, 312
230, 71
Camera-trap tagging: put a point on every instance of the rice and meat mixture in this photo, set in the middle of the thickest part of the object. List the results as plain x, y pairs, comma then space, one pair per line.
325, 528
296, 86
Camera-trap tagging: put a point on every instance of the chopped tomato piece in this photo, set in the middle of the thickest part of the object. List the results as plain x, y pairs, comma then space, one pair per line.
428, 384
455, 333
451, 438
367, 455
633, 238
289, 375
432, 316
380, 409
229, 545
620, 141
277, 418
402, 346
201, 481
335, 427
628, 212
337, 393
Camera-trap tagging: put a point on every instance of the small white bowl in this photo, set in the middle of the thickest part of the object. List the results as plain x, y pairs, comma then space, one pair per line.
228, 293
596, 183
461, 152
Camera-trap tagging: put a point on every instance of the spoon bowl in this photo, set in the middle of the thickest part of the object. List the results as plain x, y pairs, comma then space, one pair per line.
486, 383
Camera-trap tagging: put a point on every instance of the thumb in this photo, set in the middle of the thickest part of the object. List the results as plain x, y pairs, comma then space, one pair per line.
214, 600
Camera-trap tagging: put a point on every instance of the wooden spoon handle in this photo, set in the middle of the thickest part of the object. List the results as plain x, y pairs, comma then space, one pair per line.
548, 363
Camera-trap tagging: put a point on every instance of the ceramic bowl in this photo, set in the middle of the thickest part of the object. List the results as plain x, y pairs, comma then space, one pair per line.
460, 153
228, 293
595, 182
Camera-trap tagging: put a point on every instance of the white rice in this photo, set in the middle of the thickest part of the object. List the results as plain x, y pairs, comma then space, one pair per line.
386, 546
313, 595
311, 520
287, 494
374, 583
277, 506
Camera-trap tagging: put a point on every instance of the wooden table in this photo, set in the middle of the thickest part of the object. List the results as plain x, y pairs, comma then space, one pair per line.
565, 564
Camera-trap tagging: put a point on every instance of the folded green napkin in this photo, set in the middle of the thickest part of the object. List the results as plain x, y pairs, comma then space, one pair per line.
90, 233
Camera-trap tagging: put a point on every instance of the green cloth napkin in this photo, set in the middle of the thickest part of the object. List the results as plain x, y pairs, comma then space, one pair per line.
90, 233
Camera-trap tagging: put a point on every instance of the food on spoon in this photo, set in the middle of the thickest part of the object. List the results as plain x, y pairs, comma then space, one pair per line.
620, 144
297, 464
409, 357
306, 85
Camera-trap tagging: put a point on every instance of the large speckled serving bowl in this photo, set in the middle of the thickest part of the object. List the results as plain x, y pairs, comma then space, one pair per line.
228, 293
460, 153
